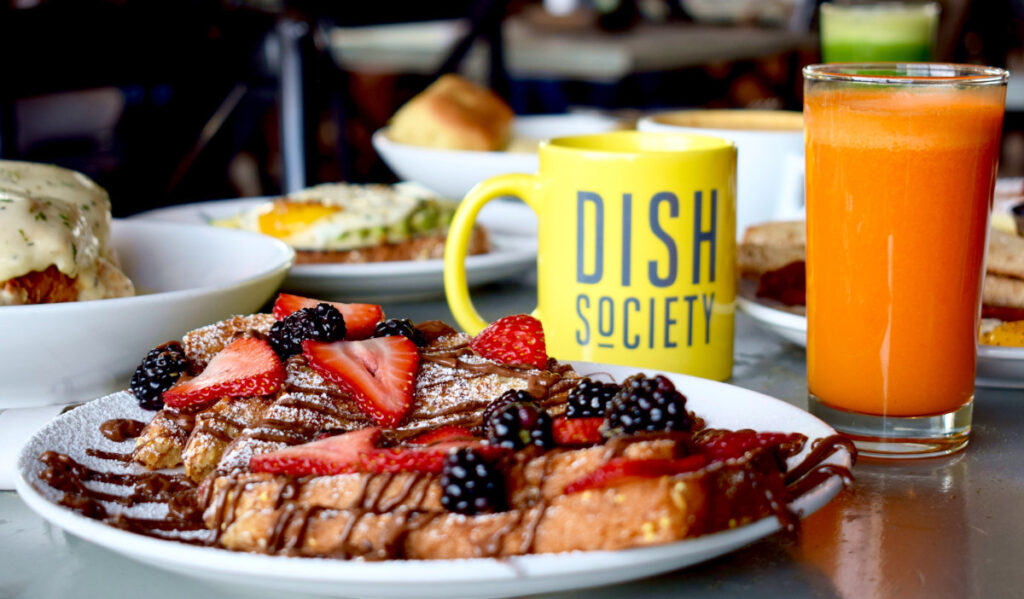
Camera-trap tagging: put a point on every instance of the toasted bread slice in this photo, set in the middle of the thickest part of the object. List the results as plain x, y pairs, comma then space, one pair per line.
399, 515
1005, 256
770, 246
214, 430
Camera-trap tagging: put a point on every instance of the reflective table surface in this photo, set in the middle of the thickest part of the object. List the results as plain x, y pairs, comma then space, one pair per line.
945, 527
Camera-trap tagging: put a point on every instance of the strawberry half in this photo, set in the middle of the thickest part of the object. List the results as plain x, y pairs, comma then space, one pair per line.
619, 470
379, 373
245, 368
428, 459
358, 452
360, 319
516, 339
450, 432
577, 431
332, 455
721, 445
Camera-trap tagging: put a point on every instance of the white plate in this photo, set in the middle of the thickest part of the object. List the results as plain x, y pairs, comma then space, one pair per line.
720, 404
999, 367
512, 225
186, 276
452, 173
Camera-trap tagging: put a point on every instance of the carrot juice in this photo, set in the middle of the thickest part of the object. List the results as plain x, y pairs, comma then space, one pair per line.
899, 188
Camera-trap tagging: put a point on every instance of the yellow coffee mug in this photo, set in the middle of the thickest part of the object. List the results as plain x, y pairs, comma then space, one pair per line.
636, 249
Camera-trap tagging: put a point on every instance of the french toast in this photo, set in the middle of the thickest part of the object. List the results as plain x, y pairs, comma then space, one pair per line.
334, 433
400, 515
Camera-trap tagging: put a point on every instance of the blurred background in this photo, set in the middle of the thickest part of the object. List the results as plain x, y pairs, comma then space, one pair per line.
172, 101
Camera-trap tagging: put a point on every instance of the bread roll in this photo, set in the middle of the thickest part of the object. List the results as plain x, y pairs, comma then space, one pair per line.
454, 114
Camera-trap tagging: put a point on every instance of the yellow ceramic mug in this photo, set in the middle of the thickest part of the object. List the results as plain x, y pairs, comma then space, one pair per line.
636, 249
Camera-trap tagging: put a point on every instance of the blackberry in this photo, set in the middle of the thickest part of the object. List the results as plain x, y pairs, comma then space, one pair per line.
506, 398
400, 326
321, 323
517, 425
161, 368
471, 485
647, 405
590, 399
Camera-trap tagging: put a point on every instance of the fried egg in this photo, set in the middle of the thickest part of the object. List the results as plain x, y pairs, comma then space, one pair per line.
338, 216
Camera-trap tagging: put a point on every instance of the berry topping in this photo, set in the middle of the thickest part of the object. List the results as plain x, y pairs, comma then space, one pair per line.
360, 319
619, 470
444, 434
516, 425
647, 405
379, 373
724, 444
359, 451
246, 367
577, 431
590, 399
322, 322
517, 339
159, 370
471, 484
508, 397
400, 326
336, 454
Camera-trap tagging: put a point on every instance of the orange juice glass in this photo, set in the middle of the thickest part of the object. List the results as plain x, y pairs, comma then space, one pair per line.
901, 165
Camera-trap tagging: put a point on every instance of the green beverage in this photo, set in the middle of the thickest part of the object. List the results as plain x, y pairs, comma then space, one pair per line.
890, 31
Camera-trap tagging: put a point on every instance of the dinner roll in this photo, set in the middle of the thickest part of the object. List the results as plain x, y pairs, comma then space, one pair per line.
453, 114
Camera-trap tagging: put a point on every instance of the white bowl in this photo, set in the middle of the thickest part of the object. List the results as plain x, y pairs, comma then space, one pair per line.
186, 277
452, 173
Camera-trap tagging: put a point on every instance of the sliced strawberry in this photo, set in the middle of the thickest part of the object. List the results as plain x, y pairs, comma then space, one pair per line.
516, 339
332, 455
619, 470
450, 432
577, 431
429, 459
721, 445
245, 368
358, 452
360, 319
379, 373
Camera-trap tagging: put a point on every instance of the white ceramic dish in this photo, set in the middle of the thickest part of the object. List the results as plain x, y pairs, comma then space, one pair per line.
999, 367
452, 173
720, 404
187, 276
513, 228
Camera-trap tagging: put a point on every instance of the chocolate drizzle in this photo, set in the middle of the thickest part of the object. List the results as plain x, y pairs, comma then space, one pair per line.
539, 383
121, 429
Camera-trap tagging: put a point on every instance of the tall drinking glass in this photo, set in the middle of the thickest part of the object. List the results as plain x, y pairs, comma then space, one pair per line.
879, 31
901, 165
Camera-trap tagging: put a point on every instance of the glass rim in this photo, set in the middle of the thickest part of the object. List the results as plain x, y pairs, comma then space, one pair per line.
931, 7
917, 73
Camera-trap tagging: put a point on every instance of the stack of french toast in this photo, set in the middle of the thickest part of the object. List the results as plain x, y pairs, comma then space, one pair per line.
324, 429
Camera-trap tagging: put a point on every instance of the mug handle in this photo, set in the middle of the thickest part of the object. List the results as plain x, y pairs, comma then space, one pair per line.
459, 232
791, 204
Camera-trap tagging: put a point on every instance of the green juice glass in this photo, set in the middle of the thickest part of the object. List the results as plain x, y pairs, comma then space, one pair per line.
879, 32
